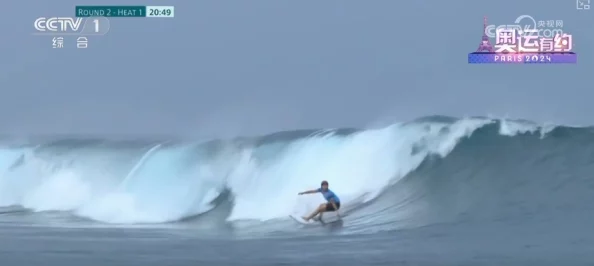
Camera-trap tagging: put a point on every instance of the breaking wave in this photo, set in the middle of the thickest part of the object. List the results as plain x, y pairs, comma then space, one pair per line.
430, 170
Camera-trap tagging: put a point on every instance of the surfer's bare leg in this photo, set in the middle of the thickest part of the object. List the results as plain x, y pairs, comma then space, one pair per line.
320, 216
320, 209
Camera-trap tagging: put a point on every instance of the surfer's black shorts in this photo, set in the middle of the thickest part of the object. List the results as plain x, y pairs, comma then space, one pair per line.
330, 207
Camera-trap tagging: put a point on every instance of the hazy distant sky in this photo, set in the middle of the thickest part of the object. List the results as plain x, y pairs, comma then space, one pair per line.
248, 67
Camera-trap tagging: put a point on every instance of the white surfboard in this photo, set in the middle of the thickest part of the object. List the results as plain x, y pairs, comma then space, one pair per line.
316, 219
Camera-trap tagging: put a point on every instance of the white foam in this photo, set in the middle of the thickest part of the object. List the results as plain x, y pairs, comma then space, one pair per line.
162, 187
510, 127
63, 191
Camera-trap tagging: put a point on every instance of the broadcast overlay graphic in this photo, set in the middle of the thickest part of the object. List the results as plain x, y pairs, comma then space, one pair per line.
90, 21
543, 42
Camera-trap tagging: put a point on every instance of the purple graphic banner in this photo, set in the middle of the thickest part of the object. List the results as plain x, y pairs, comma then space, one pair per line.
522, 58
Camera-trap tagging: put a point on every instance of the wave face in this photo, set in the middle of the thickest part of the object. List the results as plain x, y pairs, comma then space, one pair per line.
431, 170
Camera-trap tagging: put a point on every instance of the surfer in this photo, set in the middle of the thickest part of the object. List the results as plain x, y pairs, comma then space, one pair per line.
333, 201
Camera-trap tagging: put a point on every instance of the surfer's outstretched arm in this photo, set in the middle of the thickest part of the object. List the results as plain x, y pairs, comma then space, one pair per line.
308, 192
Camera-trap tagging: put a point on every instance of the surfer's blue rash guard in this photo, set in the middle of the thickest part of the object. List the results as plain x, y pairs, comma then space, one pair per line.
328, 194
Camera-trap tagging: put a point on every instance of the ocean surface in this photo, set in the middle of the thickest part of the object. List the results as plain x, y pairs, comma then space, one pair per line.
433, 191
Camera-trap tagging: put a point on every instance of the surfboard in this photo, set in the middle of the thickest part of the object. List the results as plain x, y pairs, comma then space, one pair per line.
315, 219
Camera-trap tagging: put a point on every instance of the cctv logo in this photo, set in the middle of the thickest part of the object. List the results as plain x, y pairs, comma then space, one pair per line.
55, 24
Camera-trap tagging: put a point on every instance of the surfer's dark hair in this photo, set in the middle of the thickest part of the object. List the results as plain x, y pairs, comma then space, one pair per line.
324, 183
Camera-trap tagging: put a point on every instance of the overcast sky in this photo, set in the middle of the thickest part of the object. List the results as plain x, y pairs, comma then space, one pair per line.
249, 67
